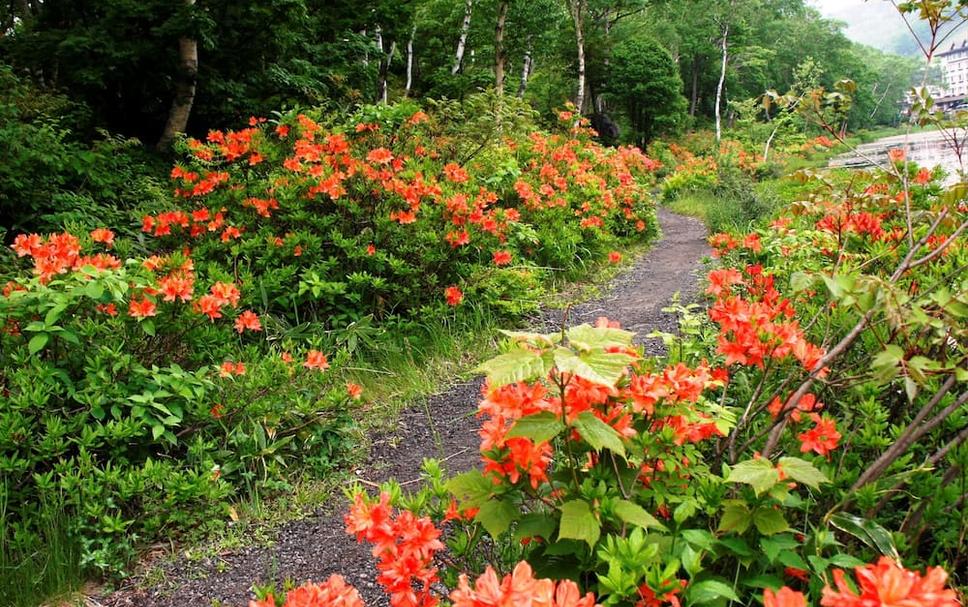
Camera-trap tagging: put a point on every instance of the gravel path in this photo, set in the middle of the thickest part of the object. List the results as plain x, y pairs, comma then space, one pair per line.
443, 427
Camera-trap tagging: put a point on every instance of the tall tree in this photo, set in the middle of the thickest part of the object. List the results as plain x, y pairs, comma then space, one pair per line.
181, 105
577, 9
465, 29
499, 54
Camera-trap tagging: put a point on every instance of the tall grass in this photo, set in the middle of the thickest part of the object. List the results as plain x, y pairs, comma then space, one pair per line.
40, 567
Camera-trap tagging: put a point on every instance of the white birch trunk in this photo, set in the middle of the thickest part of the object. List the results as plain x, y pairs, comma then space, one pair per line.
525, 72
499, 58
577, 8
409, 85
465, 28
719, 87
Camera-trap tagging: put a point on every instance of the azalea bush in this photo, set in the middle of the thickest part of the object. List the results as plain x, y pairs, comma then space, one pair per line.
147, 381
599, 485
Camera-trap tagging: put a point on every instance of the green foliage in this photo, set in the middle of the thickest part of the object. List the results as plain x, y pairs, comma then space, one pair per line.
643, 78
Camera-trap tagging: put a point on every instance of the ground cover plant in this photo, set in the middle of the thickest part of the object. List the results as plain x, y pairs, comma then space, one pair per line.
198, 361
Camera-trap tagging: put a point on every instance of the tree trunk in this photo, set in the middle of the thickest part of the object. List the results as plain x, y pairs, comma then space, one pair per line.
719, 87
465, 28
525, 71
577, 9
366, 51
385, 57
499, 58
181, 105
694, 99
409, 85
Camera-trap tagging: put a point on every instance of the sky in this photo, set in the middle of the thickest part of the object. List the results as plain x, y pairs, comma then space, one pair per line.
873, 22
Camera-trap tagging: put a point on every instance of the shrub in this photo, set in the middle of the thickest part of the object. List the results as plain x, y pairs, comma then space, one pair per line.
146, 381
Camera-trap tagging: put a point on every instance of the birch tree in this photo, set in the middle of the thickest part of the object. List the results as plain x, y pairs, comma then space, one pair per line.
465, 29
499, 54
185, 81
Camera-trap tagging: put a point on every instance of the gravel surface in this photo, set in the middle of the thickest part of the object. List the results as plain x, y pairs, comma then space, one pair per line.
444, 427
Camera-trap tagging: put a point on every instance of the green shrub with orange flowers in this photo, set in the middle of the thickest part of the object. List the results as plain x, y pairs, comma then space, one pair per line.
147, 381
804, 443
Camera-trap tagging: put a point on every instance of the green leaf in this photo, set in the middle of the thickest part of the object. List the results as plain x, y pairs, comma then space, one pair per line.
578, 523
758, 473
634, 514
803, 471
596, 366
867, 531
737, 546
539, 338
535, 524
769, 521
496, 516
736, 517
792, 559
540, 427
148, 326
471, 489
37, 342
587, 337
157, 430
801, 281
773, 546
598, 434
54, 314
708, 591
520, 364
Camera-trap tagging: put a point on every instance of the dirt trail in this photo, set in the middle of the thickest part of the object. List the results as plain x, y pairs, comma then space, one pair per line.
443, 427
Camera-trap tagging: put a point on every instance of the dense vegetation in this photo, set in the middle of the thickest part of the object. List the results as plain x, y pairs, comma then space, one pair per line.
220, 245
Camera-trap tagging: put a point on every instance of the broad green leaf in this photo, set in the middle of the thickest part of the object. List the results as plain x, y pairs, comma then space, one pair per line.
803, 472
736, 517
148, 326
762, 581
520, 364
769, 521
773, 546
496, 516
758, 473
587, 337
700, 538
37, 342
708, 591
540, 427
737, 546
596, 366
867, 531
792, 559
54, 314
471, 489
578, 523
535, 524
598, 434
634, 514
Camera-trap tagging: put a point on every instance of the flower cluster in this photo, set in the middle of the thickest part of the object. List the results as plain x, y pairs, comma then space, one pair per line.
886, 584
404, 545
519, 588
334, 592
759, 324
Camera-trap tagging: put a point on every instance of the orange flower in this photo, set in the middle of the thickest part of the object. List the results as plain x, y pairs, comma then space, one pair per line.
896, 155
103, 235
784, 597
248, 320
502, 258
822, 438
316, 360
355, 391
230, 368
454, 296
614, 257
108, 309
888, 584
380, 156
334, 592
141, 309
371, 249
520, 589
455, 173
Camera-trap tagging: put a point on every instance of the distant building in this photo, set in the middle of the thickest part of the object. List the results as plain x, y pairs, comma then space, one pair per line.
954, 60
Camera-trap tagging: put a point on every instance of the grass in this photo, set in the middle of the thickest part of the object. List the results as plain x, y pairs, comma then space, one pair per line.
53, 573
